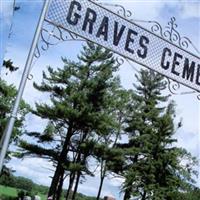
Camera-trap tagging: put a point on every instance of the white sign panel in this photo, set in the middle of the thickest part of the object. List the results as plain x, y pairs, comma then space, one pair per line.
99, 25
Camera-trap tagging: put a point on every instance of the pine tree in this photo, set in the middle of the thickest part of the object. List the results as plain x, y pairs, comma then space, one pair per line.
111, 156
79, 95
155, 166
7, 97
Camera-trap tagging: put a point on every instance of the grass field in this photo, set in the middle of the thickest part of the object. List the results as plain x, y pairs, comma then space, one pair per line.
12, 192
8, 191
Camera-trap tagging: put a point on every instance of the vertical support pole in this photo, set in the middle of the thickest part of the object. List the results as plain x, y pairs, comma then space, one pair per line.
9, 128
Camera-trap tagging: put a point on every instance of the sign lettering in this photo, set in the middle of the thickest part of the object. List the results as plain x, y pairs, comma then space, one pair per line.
99, 25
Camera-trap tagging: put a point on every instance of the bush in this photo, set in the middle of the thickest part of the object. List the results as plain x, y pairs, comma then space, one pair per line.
17, 182
5, 197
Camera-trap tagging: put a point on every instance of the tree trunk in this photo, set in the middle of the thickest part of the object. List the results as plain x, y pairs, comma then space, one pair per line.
78, 174
54, 190
71, 183
103, 174
76, 186
59, 189
100, 187
144, 196
127, 195
72, 178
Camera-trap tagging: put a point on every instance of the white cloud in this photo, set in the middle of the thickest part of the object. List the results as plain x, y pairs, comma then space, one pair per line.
108, 192
37, 169
190, 9
117, 182
88, 189
6, 11
189, 141
137, 8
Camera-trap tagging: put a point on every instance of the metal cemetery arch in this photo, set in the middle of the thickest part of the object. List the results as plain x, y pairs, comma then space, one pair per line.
53, 34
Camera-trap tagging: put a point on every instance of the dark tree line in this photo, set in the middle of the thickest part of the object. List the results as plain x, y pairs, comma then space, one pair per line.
26, 187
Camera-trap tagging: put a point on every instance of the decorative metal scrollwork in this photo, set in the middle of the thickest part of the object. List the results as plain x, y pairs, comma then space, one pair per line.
53, 35
171, 34
119, 9
173, 86
120, 60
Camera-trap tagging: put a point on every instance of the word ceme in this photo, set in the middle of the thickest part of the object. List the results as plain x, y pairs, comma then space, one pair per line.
176, 62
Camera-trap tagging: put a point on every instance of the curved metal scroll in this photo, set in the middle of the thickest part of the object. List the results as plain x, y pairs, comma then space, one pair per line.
119, 9
171, 34
52, 35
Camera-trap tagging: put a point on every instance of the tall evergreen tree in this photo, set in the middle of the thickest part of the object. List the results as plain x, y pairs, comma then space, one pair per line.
79, 95
112, 155
156, 167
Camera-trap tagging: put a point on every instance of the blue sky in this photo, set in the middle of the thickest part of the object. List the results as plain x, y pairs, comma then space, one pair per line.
187, 14
6, 13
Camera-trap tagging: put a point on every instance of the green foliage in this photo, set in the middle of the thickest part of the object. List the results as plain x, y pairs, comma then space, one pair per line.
81, 108
155, 165
12, 192
7, 97
194, 194
17, 182
7, 197
79, 93
21, 194
24, 186
7, 191
87, 115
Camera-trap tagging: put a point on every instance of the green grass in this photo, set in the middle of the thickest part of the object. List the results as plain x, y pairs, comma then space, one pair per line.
12, 192
8, 191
